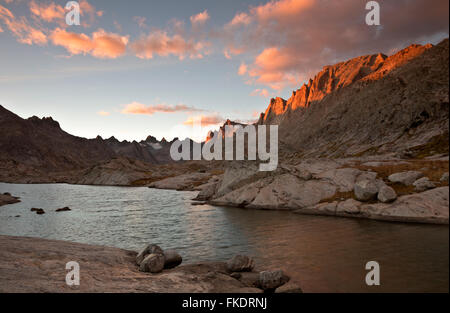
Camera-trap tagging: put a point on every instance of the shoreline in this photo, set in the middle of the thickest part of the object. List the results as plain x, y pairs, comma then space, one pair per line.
362, 213
35, 265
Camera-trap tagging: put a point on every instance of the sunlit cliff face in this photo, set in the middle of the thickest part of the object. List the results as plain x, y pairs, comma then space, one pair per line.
341, 75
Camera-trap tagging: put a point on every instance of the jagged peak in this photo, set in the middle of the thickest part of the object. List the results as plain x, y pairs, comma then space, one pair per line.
343, 74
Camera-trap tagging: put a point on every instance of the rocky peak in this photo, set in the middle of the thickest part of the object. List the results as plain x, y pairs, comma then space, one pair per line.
151, 139
338, 76
47, 121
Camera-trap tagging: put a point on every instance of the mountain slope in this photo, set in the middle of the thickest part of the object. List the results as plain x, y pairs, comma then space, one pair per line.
370, 104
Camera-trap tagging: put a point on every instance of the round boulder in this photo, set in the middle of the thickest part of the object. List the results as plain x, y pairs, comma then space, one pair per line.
240, 263
153, 263
150, 249
172, 259
270, 280
365, 190
387, 194
423, 184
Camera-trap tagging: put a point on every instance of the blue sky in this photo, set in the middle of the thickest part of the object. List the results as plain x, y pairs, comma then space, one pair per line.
250, 51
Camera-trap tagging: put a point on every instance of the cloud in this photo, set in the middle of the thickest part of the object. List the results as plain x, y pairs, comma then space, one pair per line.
22, 29
290, 40
47, 12
200, 18
101, 45
260, 92
139, 108
242, 69
204, 120
103, 113
160, 43
240, 19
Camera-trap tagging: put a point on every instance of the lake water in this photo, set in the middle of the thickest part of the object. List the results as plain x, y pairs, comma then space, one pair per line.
326, 254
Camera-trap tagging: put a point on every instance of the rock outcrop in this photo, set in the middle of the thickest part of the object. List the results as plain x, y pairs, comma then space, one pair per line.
6, 198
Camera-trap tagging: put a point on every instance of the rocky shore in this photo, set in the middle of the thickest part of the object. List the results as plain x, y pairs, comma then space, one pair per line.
39, 265
390, 189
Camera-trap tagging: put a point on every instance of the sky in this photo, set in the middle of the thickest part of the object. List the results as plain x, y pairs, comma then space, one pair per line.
138, 68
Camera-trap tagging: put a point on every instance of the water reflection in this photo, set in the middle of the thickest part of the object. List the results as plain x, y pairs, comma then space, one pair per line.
324, 253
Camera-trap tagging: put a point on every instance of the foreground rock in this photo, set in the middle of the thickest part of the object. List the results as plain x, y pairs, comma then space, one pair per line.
405, 178
240, 263
152, 263
387, 194
366, 190
423, 184
38, 266
149, 249
270, 280
6, 198
172, 259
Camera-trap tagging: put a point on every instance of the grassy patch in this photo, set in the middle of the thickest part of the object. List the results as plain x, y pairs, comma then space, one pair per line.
431, 169
338, 196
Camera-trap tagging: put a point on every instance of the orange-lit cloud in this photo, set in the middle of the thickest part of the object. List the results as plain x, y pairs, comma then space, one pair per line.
47, 12
101, 45
200, 18
260, 92
103, 113
160, 43
240, 19
204, 120
242, 69
22, 29
140, 108
290, 40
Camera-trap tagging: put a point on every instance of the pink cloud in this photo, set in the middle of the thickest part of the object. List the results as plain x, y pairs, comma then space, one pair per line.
290, 40
240, 19
200, 18
101, 45
162, 44
140, 108
204, 120
260, 92
242, 69
22, 29
47, 12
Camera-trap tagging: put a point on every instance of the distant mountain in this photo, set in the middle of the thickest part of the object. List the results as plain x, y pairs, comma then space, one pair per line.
369, 105
34, 147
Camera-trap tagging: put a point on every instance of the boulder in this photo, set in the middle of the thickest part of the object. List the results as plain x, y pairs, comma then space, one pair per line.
349, 206
206, 192
423, 184
365, 190
150, 249
38, 211
270, 280
387, 194
249, 279
405, 178
152, 263
172, 259
430, 206
240, 263
444, 178
63, 209
290, 287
